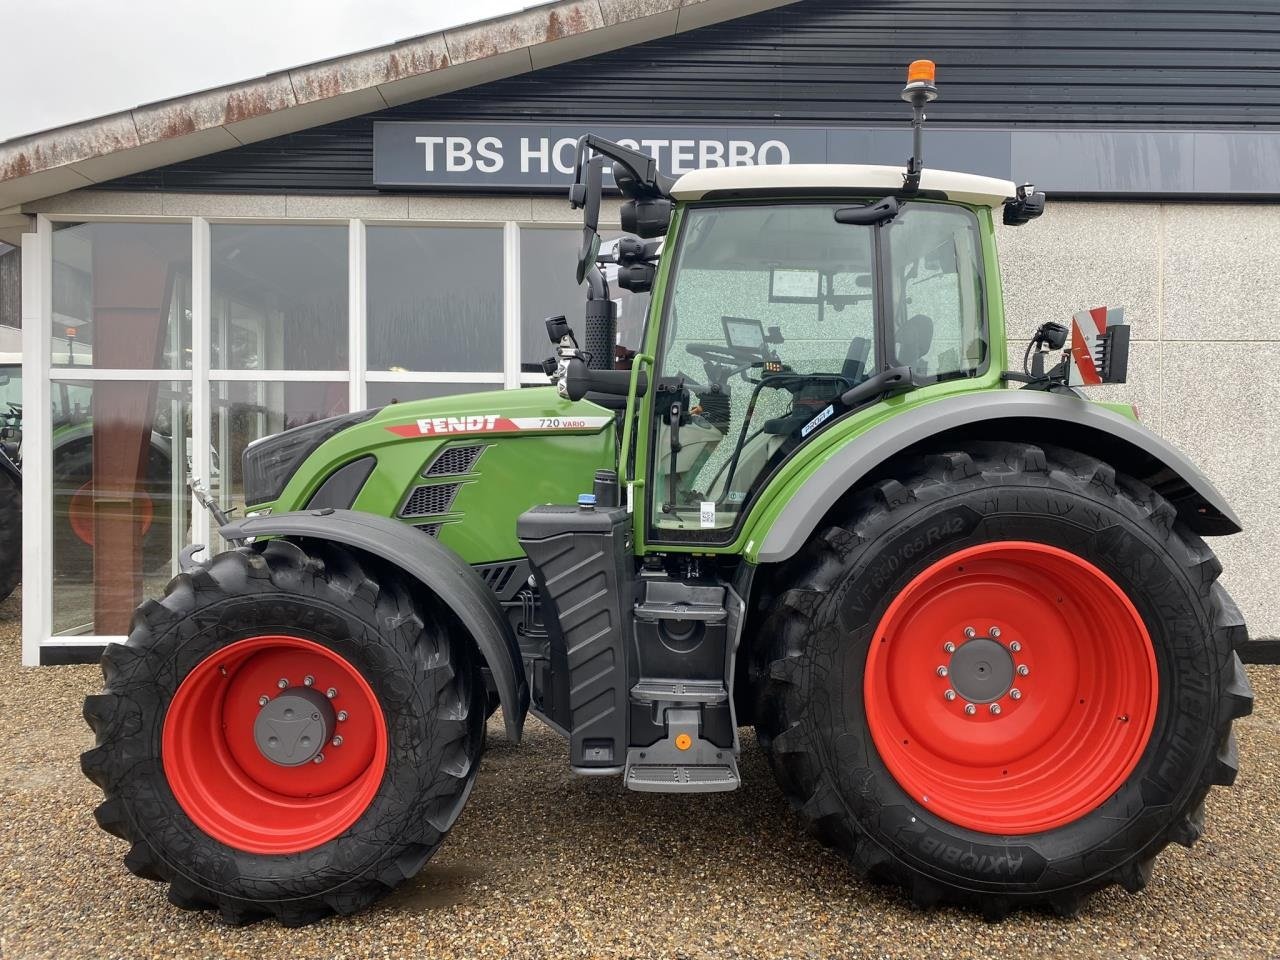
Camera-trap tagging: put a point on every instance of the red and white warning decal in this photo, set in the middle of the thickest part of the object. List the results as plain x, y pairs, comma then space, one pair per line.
1087, 328
495, 423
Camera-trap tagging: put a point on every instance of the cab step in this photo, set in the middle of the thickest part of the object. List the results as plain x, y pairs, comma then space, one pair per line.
686, 778
679, 691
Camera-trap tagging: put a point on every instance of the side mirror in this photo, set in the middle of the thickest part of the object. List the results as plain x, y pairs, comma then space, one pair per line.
1023, 208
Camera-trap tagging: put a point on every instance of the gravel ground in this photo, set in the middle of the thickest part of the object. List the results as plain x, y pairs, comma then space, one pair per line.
544, 864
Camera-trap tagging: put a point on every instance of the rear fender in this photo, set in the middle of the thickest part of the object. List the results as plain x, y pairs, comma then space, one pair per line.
1026, 415
434, 565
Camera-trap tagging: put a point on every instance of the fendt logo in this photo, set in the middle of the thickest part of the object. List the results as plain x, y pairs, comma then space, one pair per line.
457, 424
494, 423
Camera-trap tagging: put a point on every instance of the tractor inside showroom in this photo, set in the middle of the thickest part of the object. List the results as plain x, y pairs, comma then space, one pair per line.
968, 611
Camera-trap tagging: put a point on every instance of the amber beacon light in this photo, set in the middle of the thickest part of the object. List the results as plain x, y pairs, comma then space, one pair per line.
920, 89
920, 82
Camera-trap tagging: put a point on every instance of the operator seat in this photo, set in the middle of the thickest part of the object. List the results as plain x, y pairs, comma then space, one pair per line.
912, 342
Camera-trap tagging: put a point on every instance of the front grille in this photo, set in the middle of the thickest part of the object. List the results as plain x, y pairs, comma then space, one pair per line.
454, 461
504, 579
430, 529
427, 500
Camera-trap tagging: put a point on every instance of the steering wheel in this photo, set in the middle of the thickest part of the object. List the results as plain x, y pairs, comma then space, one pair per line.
734, 360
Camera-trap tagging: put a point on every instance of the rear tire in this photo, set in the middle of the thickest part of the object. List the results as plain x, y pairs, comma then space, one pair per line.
174, 769
10, 535
821, 704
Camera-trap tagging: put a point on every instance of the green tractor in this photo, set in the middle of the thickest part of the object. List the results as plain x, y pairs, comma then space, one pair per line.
969, 613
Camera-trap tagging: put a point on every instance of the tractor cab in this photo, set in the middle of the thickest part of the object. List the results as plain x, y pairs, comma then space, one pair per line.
784, 299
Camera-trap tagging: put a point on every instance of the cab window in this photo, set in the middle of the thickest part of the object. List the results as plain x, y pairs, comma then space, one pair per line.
771, 313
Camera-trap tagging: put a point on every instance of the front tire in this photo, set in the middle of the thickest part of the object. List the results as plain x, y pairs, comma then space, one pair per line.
1074, 587
287, 733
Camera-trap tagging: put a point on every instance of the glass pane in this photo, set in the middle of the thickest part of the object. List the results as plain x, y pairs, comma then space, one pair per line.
548, 288
120, 508
244, 412
381, 394
279, 297
771, 317
10, 295
122, 295
935, 269
435, 299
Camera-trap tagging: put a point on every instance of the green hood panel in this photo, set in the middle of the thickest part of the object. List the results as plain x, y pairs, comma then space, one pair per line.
534, 447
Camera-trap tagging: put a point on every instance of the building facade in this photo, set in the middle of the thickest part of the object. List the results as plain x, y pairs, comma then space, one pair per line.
174, 313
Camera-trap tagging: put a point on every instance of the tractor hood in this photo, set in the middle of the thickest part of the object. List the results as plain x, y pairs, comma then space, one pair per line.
424, 461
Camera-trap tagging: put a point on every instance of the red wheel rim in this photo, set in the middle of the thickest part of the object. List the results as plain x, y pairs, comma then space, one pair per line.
225, 782
80, 512
1076, 714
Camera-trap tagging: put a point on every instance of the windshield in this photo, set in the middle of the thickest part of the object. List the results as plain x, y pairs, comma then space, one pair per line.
772, 314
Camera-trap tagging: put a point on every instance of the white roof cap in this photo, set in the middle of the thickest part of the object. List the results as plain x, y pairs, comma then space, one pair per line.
851, 177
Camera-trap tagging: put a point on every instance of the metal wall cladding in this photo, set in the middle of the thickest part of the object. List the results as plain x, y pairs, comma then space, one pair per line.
1028, 65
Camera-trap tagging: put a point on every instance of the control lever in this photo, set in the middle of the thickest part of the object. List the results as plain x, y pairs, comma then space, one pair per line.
886, 381
578, 381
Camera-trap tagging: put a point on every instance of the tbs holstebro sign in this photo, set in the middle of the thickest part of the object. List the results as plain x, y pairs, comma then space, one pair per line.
487, 156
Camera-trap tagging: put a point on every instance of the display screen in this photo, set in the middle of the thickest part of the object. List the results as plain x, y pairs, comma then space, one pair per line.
743, 332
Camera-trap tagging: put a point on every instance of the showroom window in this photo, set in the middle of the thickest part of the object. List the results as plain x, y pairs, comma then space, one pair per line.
279, 297
165, 346
435, 299
122, 296
120, 507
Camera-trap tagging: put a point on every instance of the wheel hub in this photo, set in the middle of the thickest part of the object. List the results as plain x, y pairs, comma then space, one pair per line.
1011, 687
274, 744
293, 728
981, 671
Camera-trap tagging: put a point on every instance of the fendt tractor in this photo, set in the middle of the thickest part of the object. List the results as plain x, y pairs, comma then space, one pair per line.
969, 612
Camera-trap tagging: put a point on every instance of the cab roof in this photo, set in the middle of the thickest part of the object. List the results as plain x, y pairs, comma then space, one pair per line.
842, 177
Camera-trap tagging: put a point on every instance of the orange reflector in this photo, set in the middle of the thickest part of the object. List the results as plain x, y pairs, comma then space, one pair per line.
683, 741
921, 71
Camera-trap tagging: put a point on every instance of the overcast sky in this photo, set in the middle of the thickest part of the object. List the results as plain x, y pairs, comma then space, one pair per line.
69, 60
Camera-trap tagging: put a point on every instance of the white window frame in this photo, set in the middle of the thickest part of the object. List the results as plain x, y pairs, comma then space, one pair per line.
39, 375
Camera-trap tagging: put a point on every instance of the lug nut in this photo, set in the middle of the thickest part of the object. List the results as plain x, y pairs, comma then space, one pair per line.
942, 671
949, 695
1015, 694
970, 632
331, 692
263, 700
949, 647
994, 633
994, 708
342, 714
336, 742
1023, 670
282, 683
1015, 646
318, 758
308, 681
970, 709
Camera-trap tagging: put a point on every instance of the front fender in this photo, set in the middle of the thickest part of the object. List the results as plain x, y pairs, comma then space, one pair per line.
1025, 415
434, 565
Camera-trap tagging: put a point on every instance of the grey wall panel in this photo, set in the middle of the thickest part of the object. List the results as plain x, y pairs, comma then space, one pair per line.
1124, 161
